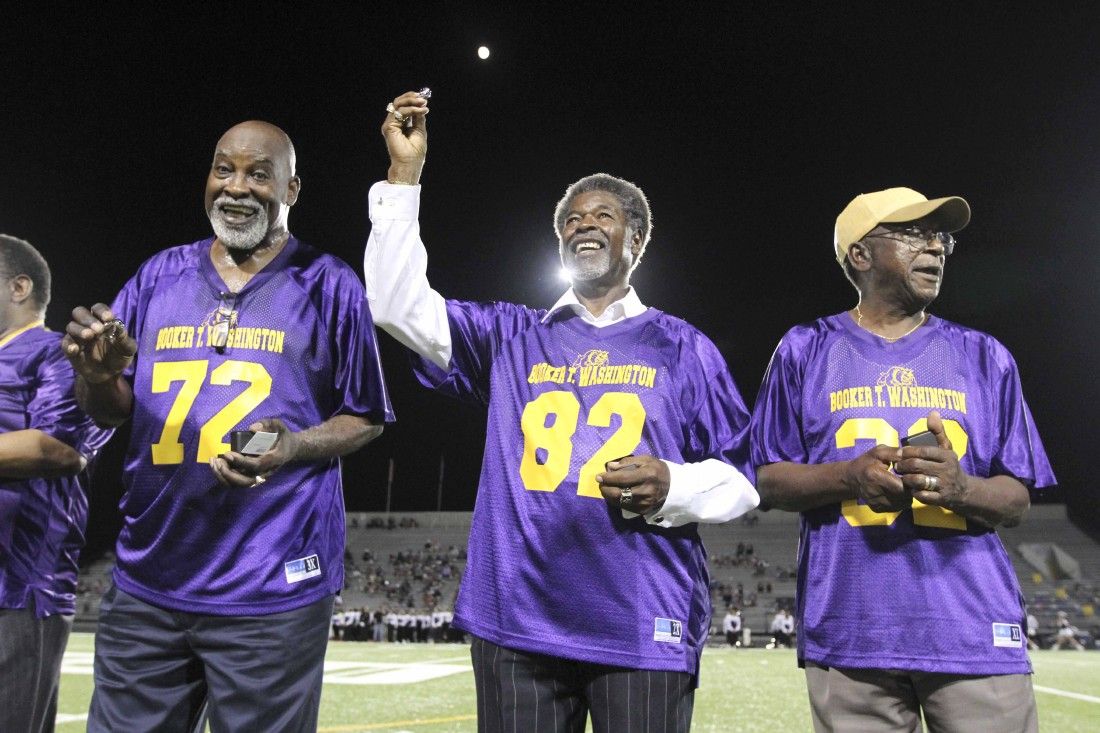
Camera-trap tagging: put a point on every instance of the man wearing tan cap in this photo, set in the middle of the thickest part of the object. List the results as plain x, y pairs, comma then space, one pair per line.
903, 440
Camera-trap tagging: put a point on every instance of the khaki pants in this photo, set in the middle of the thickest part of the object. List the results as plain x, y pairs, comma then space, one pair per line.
859, 700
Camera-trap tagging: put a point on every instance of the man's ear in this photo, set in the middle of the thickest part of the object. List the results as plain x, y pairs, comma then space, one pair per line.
859, 256
292, 189
21, 288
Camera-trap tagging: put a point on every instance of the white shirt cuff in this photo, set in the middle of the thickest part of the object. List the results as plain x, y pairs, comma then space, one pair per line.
710, 492
394, 202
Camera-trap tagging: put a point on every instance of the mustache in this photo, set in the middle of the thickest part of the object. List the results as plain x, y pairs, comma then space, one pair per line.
248, 203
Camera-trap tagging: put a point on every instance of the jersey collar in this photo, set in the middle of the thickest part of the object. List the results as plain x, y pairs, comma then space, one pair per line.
626, 307
11, 336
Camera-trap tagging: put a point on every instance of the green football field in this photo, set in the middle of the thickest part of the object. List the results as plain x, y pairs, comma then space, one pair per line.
427, 688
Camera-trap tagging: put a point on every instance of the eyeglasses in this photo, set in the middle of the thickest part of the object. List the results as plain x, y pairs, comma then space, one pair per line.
917, 238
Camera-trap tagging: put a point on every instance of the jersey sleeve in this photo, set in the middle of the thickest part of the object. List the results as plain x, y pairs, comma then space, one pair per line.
774, 432
477, 331
1021, 453
53, 408
720, 427
358, 383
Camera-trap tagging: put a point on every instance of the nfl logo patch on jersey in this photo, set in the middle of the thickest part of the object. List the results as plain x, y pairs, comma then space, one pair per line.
667, 630
1008, 635
298, 570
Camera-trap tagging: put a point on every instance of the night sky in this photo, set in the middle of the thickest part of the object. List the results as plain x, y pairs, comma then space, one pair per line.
748, 126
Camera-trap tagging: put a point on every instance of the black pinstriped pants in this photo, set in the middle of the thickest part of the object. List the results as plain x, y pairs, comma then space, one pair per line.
521, 692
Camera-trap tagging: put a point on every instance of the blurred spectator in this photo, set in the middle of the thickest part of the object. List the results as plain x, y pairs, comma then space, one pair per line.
782, 628
731, 626
1032, 631
1067, 634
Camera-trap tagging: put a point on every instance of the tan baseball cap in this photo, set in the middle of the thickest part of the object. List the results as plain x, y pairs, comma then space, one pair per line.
895, 206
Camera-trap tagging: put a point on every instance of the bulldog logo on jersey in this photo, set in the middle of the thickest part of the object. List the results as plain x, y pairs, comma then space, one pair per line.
591, 358
897, 376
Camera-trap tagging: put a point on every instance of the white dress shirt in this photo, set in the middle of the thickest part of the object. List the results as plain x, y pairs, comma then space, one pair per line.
404, 305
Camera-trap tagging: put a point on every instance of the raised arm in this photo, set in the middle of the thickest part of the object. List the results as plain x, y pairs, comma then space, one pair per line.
100, 350
395, 262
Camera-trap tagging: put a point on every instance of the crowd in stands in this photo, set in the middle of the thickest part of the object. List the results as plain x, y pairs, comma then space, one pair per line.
1052, 615
409, 579
415, 626
411, 594
415, 589
745, 557
733, 591
387, 523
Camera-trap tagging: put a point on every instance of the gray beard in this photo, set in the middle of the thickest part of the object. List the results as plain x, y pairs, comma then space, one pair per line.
236, 236
590, 270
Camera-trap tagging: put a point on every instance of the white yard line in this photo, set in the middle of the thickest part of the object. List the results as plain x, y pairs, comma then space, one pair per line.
67, 718
1066, 693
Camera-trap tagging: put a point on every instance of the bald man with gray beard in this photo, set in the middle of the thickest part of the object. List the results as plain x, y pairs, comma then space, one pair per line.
231, 555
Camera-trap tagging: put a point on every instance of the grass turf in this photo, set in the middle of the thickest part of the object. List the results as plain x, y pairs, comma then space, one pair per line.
374, 687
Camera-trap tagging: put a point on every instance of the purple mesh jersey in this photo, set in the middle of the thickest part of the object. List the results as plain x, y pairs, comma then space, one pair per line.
552, 568
42, 520
298, 345
921, 589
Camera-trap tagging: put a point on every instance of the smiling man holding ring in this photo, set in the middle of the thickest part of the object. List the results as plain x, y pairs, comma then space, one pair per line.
228, 564
575, 604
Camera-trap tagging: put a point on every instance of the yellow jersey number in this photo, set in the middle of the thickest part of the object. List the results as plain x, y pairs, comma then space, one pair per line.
549, 422
192, 374
882, 433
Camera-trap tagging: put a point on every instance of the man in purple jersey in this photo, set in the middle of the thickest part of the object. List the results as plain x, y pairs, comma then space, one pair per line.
613, 429
229, 560
46, 442
904, 440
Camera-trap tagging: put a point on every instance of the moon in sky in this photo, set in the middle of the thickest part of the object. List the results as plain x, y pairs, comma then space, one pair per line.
483, 52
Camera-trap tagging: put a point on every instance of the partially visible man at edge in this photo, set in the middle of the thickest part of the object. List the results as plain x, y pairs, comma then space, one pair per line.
575, 605
907, 602
228, 564
46, 445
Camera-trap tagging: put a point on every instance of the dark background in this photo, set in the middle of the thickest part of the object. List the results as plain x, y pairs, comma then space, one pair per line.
749, 126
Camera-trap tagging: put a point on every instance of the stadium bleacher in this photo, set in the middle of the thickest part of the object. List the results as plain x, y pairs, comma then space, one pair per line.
412, 548
427, 554
1078, 598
